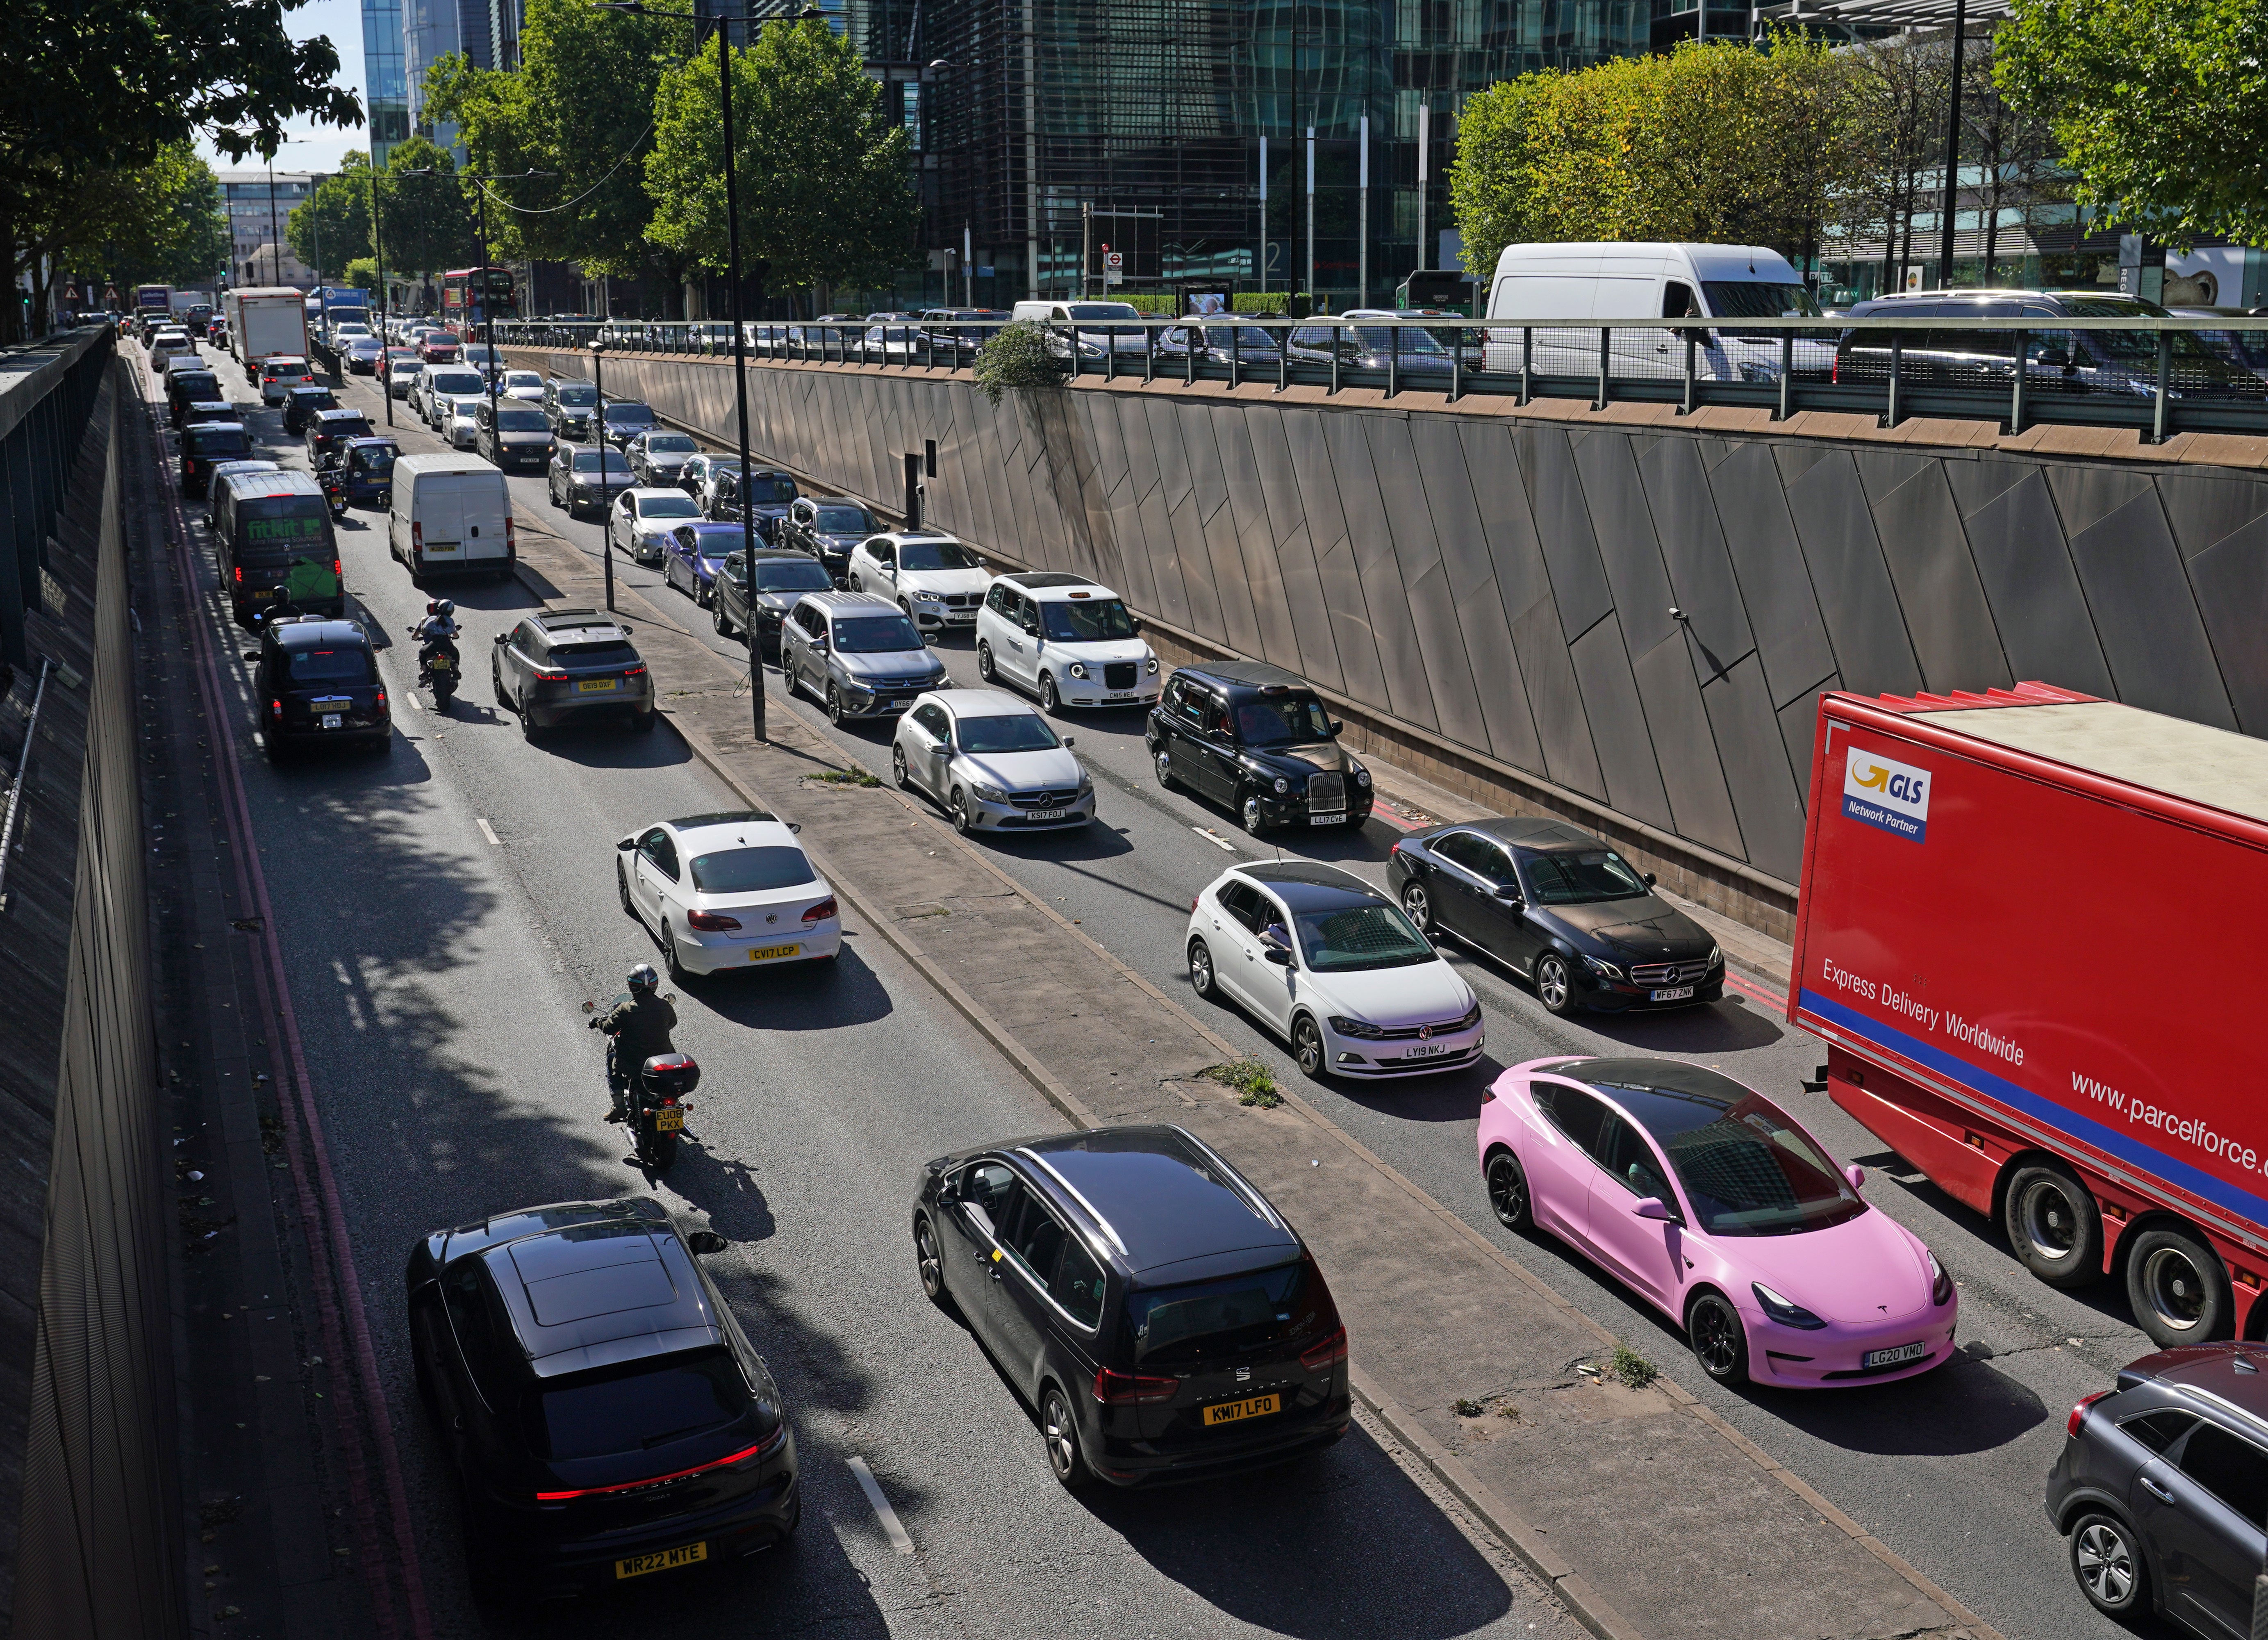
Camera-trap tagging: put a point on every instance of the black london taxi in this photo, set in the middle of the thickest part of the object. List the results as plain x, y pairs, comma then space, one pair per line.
1258, 739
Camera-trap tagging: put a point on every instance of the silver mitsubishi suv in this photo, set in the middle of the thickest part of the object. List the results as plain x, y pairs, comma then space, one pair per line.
856, 654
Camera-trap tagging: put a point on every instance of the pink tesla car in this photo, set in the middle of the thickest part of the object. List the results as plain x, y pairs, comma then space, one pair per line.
1710, 1202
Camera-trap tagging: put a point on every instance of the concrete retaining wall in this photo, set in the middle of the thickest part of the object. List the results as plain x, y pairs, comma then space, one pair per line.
1492, 597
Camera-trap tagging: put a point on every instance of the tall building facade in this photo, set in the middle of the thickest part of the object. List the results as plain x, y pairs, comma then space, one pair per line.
260, 225
384, 77
486, 32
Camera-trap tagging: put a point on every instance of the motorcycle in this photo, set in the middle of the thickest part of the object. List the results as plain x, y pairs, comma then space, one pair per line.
654, 1102
335, 490
438, 667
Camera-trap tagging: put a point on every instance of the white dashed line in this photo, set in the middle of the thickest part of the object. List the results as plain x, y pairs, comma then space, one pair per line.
488, 832
883, 1513
415, 705
1215, 838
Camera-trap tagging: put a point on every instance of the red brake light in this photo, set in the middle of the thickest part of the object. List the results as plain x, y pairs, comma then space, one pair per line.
1132, 1389
762, 1449
336, 570
635, 671
275, 710
417, 536
382, 700
1193, 902
2079, 1413
1330, 1351
239, 574
710, 921
821, 912
550, 675
1488, 1095
510, 540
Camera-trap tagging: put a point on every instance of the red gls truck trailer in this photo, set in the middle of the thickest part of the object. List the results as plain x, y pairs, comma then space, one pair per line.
2026, 933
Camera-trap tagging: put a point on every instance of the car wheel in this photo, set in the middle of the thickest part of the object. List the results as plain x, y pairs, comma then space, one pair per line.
1418, 906
985, 663
643, 721
1553, 986
1720, 1343
857, 584
1507, 1191
1307, 1048
496, 687
1202, 979
957, 805
1050, 702
929, 1264
898, 768
1162, 761
835, 714
2109, 1565
528, 732
1060, 1434
2177, 1288
703, 596
2054, 1225
717, 617
1249, 812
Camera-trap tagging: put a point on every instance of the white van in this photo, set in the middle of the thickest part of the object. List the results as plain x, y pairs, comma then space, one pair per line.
1091, 320
452, 515
1626, 284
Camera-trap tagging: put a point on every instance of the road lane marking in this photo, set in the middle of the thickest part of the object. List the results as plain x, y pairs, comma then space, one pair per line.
1750, 988
1215, 838
488, 832
883, 1513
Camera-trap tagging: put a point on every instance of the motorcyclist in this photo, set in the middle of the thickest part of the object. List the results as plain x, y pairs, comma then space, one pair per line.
639, 1024
437, 631
280, 607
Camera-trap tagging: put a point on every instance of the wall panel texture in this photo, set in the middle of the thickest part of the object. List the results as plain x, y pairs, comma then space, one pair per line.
1504, 590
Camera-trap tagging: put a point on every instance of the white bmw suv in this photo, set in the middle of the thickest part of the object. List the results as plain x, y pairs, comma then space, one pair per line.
1066, 639
934, 579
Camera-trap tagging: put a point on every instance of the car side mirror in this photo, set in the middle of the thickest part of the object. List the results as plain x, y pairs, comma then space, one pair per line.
702, 1243
1508, 892
1070, 741
1652, 1208
2054, 357
1277, 954
1649, 879
503, 638
1856, 1175
625, 844
1338, 725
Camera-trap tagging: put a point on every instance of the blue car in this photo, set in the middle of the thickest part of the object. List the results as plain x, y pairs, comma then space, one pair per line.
369, 465
692, 554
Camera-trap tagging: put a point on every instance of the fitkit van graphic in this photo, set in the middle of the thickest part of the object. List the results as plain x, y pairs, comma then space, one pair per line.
1887, 794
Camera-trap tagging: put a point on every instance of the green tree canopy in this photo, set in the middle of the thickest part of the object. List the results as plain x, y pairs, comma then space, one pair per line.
424, 224
2160, 106
361, 273
159, 223
334, 221
826, 198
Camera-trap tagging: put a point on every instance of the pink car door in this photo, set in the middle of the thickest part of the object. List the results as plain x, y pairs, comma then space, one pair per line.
1560, 1162
1647, 1253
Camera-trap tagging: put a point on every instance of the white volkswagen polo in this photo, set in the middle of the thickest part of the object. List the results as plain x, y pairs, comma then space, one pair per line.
1330, 965
727, 891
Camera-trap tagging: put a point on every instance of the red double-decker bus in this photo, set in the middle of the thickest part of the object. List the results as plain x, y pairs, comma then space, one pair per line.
473, 296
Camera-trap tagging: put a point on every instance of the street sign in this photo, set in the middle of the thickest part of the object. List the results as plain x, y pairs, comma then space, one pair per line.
1114, 267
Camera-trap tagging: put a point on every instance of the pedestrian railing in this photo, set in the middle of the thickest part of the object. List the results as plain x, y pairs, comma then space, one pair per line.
2160, 375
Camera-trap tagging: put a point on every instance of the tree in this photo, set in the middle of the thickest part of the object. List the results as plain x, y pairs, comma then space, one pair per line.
424, 224
2014, 150
161, 222
336, 221
361, 273
824, 189
2161, 107
1899, 100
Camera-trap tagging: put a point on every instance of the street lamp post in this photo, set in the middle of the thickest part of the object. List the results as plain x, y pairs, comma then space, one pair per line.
481, 180
599, 425
378, 250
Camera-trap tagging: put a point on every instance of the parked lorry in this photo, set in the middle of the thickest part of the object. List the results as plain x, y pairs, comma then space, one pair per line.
267, 321
2026, 920
153, 301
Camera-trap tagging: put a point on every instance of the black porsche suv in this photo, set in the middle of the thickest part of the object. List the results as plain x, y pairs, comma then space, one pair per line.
1560, 907
1258, 739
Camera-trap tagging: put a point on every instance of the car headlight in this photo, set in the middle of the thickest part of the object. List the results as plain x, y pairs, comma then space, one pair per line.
1153, 666
1784, 1312
1472, 1017
1088, 350
1940, 1284
1077, 668
1598, 967
1716, 958
919, 597
1362, 777
1282, 785
1364, 1028
989, 793
1086, 780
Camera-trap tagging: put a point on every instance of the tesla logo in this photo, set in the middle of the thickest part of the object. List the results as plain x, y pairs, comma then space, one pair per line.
1885, 1308
1424, 1031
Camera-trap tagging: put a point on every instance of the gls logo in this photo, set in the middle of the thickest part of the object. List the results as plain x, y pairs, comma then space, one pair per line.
1892, 795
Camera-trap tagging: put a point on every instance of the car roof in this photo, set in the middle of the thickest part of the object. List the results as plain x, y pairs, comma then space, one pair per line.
283, 481
312, 634
983, 702
609, 1289
750, 828
1174, 1210
650, 492
1082, 592
344, 412
1248, 674
580, 621
1305, 885
850, 602
1525, 832
915, 534
1045, 581
2208, 1374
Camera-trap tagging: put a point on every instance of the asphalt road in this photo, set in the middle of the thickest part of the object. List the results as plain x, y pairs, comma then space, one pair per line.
1947, 1470
448, 909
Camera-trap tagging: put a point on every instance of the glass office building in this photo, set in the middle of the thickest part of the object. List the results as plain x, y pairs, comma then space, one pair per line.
384, 78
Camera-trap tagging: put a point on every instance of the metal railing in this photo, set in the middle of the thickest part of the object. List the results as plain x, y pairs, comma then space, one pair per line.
2161, 376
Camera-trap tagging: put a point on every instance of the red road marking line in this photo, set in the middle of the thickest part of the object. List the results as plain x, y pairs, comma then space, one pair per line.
1749, 987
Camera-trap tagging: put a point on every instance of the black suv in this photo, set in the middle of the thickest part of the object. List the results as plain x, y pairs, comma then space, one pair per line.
828, 527
607, 1415
1560, 907
1161, 1315
318, 681
1258, 739
327, 431
2162, 1487
782, 577
568, 405
770, 492
300, 405
184, 387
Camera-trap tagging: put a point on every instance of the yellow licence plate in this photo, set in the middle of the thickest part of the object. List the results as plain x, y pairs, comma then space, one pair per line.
765, 953
1238, 1411
668, 1121
595, 685
667, 1559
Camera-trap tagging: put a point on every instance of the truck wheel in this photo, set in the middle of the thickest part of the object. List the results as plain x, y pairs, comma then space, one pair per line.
2054, 1225
2177, 1289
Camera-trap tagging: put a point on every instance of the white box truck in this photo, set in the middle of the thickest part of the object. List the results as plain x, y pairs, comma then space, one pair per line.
267, 321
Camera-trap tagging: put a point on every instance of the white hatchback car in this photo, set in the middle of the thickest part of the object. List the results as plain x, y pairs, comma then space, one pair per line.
728, 891
641, 519
1330, 965
991, 762
459, 420
1068, 640
523, 384
935, 579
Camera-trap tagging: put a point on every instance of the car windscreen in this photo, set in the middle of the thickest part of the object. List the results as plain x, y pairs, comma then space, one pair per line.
405, 363
522, 378
1756, 298
875, 634
1580, 879
443, 382
771, 489
610, 651
332, 666
287, 372
842, 520
1095, 620
273, 528
206, 442
934, 554
193, 384
1018, 731
2131, 344
1414, 339
641, 1406
786, 575
1104, 310
579, 397
751, 870
674, 443
668, 507
1199, 1322
521, 420
1350, 938
343, 428
1747, 1168
1243, 338
587, 461
1282, 720
378, 459
629, 412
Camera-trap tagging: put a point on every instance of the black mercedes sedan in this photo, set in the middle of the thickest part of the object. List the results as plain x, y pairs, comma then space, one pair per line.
1559, 907
607, 1417
1258, 739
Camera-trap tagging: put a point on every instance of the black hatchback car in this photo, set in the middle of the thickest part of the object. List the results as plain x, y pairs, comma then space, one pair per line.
1560, 907
1161, 1316
318, 681
2162, 1487
300, 405
1258, 739
607, 1415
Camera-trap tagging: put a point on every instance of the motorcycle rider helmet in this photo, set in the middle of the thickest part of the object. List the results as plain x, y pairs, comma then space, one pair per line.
643, 978
446, 608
